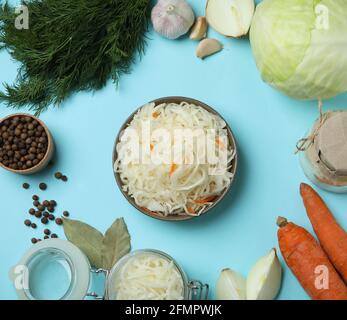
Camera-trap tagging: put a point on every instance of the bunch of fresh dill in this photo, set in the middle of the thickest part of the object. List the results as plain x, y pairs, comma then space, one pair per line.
70, 45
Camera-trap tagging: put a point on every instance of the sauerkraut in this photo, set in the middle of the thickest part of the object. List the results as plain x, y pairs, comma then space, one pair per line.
147, 276
181, 183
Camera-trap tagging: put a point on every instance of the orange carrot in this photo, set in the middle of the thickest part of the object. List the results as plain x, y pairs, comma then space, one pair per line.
206, 200
155, 114
146, 210
173, 168
191, 210
220, 142
332, 237
309, 263
151, 146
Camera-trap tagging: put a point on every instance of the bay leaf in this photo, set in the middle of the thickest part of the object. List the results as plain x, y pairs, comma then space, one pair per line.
87, 239
116, 243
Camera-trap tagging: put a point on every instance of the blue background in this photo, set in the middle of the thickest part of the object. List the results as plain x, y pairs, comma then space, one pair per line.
236, 233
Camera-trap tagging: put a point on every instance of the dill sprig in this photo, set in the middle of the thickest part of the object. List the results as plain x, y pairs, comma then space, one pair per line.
70, 46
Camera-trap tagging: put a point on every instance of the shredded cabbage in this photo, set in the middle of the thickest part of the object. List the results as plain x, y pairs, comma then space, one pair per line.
148, 277
168, 188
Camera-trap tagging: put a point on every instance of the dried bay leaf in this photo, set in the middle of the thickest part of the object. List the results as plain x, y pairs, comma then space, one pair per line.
87, 239
116, 243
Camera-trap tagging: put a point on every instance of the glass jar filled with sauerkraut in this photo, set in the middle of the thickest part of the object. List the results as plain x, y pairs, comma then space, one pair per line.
152, 275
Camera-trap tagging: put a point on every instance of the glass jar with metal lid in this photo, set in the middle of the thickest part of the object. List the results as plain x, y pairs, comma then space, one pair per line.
323, 154
55, 269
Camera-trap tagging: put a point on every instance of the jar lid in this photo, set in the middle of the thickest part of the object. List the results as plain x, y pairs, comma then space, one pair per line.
331, 143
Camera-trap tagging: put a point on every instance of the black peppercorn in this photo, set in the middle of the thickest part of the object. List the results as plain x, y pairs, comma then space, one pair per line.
44, 220
59, 221
58, 175
43, 186
26, 185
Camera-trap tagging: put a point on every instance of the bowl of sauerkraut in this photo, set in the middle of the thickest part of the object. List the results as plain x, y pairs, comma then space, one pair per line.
175, 158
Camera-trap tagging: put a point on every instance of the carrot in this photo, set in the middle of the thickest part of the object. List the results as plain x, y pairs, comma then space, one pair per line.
173, 168
309, 263
206, 200
191, 210
332, 237
155, 114
151, 146
220, 142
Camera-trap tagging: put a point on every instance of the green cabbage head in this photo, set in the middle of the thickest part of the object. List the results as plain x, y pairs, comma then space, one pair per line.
300, 46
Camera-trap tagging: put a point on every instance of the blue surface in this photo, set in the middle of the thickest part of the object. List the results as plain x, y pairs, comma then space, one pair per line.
236, 233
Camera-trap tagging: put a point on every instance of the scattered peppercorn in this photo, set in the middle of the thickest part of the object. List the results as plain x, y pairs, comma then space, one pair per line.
64, 178
33, 225
44, 220
58, 175
54, 235
51, 217
27, 222
47, 232
46, 214
36, 203
41, 207
59, 221
31, 211
33, 240
38, 214
50, 209
45, 203
43, 186
35, 197
26, 185
52, 203
46, 237
66, 213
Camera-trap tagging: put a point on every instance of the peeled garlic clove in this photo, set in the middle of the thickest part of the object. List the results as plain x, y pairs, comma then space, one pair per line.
172, 18
208, 47
199, 29
231, 18
264, 280
230, 286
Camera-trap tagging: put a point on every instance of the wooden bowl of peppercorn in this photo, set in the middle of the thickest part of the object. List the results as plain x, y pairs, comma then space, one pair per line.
26, 145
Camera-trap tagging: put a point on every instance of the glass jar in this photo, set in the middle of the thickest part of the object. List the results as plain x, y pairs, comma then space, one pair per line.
324, 157
55, 269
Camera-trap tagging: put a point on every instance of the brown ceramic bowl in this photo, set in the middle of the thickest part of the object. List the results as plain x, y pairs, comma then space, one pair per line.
175, 217
49, 153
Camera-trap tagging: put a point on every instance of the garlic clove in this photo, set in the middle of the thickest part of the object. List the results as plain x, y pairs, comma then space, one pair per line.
199, 29
208, 47
230, 286
264, 280
172, 18
231, 18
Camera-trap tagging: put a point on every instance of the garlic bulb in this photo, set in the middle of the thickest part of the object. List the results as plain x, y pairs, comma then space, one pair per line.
230, 286
172, 18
